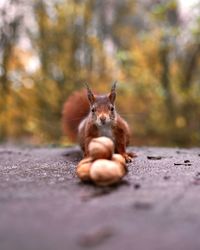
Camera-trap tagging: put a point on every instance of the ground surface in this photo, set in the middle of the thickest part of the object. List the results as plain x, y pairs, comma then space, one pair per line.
44, 206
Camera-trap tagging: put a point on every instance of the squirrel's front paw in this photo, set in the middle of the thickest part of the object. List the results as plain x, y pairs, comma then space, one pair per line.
127, 157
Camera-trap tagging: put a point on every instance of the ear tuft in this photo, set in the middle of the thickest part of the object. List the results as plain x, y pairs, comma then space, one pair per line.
112, 94
90, 95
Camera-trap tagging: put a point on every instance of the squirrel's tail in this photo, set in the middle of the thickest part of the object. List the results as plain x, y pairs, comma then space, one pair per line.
75, 109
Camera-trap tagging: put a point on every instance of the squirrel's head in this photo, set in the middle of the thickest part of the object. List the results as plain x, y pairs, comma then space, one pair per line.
102, 107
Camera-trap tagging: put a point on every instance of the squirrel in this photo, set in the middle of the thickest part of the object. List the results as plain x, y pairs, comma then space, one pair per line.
89, 116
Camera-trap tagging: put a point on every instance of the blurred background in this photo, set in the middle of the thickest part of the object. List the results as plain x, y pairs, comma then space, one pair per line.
50, 48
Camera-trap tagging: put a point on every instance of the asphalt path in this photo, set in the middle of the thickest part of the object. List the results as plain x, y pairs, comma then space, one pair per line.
44, 206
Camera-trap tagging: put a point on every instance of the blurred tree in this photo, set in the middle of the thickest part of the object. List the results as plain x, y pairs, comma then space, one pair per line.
9, 28
139, 43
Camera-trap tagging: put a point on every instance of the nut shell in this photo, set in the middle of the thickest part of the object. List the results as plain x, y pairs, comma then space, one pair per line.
101, 148
119, 158
83, 169
104, 172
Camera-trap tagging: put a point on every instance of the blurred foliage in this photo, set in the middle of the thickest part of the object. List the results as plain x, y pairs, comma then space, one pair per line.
142, 44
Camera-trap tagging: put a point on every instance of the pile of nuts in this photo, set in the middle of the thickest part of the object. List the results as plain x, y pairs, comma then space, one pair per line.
103, 167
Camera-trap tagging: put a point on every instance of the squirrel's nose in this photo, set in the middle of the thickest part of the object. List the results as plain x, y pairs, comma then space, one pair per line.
103, 119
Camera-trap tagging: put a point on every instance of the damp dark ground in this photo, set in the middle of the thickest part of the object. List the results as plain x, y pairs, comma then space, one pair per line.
44, 206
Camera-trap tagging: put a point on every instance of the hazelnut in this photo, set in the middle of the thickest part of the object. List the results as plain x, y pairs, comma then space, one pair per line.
104, 172
101, 148
83, 169
119, 158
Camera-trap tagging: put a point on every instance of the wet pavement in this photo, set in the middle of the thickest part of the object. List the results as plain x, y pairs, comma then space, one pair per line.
44, 206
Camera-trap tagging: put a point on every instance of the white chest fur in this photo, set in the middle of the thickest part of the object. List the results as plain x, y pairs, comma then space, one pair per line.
105, 130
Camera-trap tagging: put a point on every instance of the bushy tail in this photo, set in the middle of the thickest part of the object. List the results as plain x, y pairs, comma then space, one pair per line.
75, 109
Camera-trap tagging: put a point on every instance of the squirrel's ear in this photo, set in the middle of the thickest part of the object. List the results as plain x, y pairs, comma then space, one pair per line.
112, 94
90, 95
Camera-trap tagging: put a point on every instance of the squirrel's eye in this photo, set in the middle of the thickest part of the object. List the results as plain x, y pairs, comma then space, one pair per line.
112, 109
93, 110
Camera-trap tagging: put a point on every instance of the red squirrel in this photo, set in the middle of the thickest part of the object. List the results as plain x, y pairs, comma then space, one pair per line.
90, 116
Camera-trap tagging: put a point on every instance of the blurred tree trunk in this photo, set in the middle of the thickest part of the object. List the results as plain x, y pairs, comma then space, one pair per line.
8, 36
190, 66
165, 77
42, 36
87, 48
189, 69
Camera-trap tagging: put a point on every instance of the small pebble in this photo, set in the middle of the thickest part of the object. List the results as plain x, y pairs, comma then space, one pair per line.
143, 205
96, 237
154, 157
137, 186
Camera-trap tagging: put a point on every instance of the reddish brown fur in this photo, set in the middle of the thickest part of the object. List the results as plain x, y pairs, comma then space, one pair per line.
77, 108
88, 132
